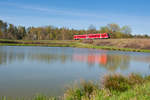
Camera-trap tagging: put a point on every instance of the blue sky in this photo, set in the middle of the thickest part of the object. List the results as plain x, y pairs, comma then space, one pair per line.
78, 14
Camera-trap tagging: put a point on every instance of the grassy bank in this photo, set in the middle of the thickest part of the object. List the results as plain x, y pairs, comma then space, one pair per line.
50, 43
112, 87
82, 45
71, 43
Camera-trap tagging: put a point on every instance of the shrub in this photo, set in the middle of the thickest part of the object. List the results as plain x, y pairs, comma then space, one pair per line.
115, 82
73, 93
88, 87
84, 90
135, 79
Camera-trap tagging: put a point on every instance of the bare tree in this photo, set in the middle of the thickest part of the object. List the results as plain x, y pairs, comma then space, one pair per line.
91, 29
126, 29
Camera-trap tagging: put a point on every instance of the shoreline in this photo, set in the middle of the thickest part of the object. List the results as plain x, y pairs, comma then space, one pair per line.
114, 87
60, 43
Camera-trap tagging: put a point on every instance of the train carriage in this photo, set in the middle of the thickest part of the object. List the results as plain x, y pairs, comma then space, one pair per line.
92, 36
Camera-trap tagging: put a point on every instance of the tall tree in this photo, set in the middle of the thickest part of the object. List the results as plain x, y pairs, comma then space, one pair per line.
21, 32
3, 29
12, 31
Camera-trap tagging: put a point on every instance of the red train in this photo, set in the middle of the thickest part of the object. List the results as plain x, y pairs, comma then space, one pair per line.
92, 36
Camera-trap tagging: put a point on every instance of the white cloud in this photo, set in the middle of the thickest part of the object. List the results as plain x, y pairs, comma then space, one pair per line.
56, 11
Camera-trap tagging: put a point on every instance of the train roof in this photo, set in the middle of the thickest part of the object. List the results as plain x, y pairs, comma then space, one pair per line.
91, 34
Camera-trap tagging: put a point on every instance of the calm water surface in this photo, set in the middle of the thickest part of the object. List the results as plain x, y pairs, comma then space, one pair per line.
25, 71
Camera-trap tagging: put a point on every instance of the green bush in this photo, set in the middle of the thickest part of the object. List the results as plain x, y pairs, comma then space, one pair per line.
85, 90
116, 82
73, 94
88, 87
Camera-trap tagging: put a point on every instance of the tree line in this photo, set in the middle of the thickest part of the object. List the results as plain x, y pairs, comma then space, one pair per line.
10, 31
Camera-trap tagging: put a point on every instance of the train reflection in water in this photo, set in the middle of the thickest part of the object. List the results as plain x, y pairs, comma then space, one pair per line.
110, 62
91, 58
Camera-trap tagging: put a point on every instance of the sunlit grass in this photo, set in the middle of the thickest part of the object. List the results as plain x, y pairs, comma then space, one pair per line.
114, 87
64, 43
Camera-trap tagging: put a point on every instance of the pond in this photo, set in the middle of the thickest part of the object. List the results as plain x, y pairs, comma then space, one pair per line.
26, 71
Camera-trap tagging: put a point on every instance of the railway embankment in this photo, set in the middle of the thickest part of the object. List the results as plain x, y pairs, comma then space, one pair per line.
134, 45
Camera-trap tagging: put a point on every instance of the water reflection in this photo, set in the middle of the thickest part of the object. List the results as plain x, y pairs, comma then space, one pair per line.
91, 59
117, 61
48, 58
8, 57
49, 69
109, 61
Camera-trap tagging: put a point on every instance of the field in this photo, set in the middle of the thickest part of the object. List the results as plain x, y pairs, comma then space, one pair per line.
125, 43
134, 45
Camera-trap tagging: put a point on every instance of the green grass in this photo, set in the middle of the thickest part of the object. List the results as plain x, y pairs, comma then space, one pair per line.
114, 87
139, 92
47, 45
61, 43
82, 45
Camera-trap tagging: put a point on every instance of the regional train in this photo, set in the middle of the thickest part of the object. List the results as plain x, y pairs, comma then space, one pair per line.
92, 36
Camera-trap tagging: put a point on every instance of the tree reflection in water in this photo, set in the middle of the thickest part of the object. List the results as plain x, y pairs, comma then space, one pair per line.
115, 62
109, 61
49, 58
10, 57
46, 58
